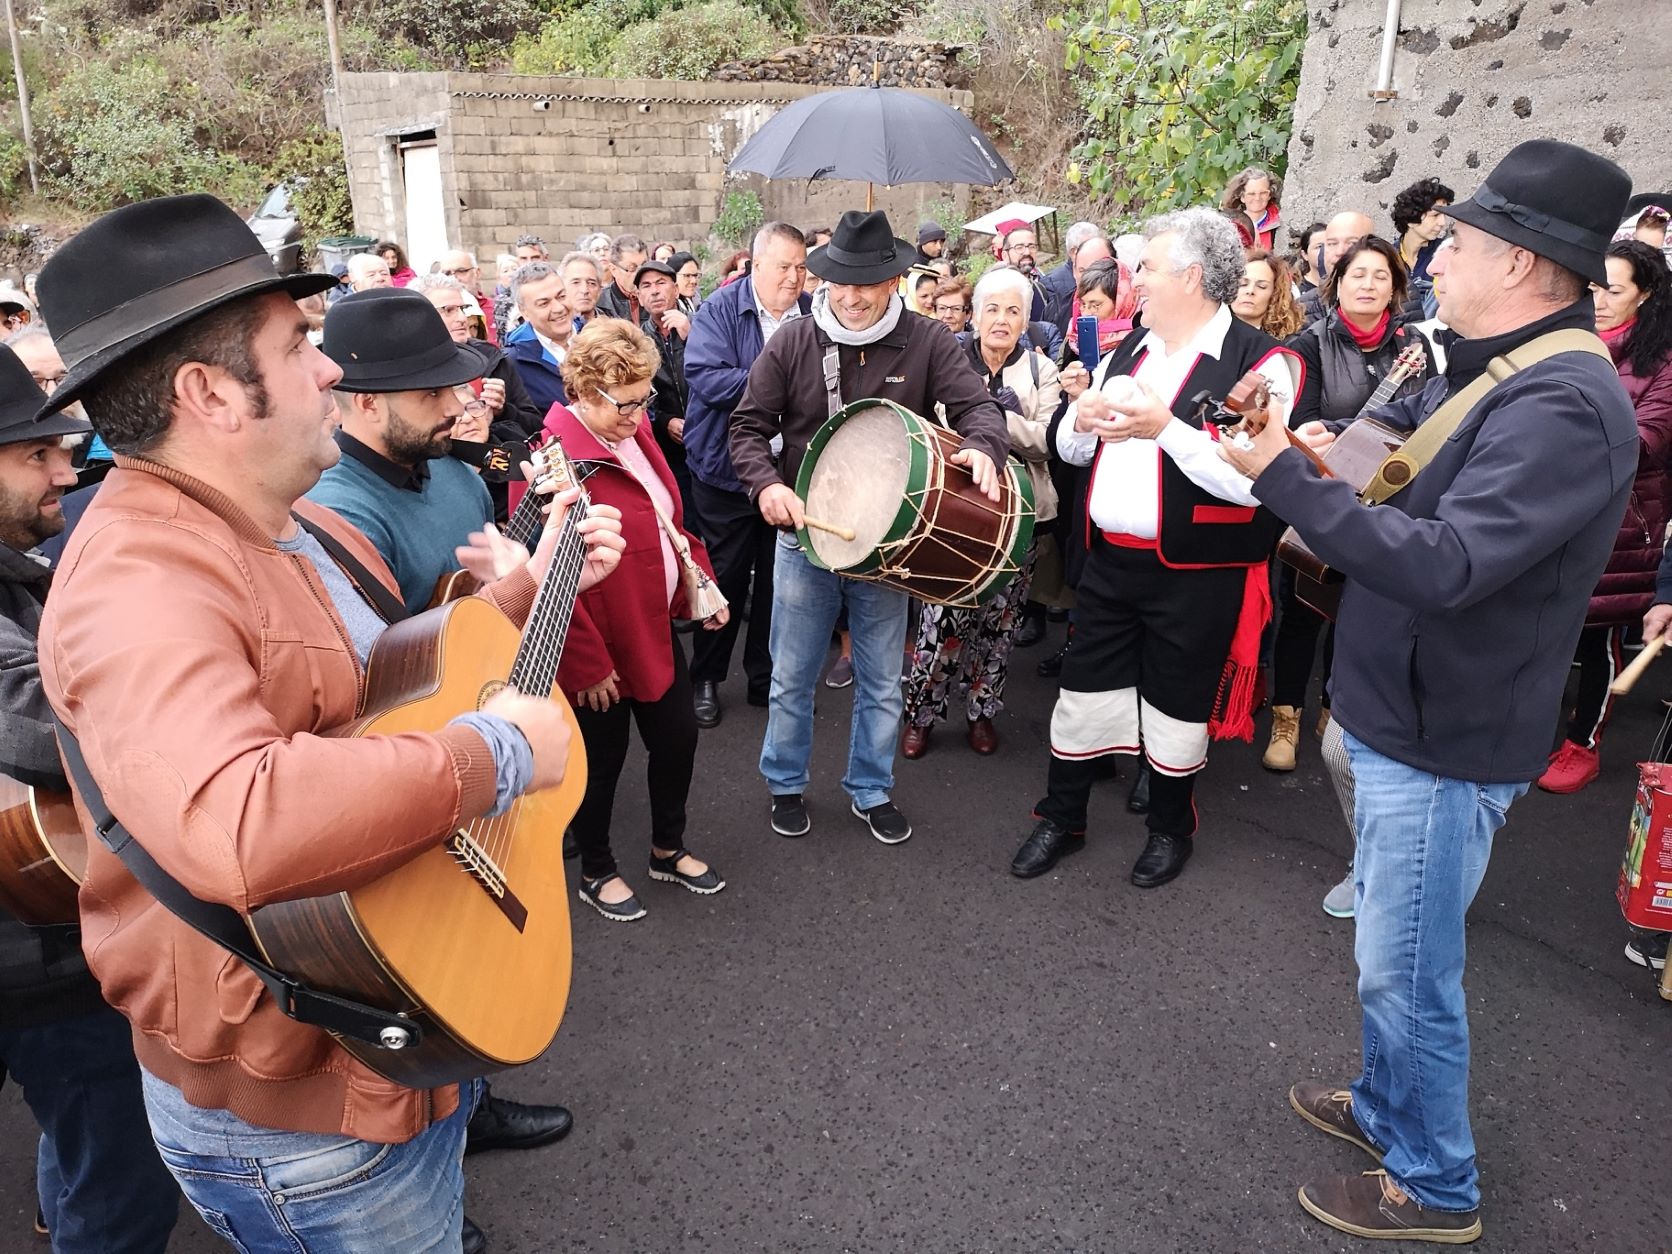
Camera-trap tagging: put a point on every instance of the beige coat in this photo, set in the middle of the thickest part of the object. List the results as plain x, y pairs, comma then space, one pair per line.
1038, 387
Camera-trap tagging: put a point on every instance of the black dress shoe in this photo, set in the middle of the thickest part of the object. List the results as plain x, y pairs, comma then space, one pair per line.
499, 1124
1051, 667
705, 703
1031, 632
474, 1241
1043, 848
1163, 858
1137, 800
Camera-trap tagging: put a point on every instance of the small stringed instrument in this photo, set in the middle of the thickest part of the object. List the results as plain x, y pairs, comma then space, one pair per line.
521, 527
471, 938
43, 854
1247, 408
1357, 453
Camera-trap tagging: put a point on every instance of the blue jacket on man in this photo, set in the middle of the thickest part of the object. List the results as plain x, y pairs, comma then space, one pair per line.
724, 342
1466, 592
537, 370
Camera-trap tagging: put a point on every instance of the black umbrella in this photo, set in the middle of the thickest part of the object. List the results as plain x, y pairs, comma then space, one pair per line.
872, 135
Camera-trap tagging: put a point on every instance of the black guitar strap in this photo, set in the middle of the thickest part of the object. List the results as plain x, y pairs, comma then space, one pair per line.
224, 925
386, 603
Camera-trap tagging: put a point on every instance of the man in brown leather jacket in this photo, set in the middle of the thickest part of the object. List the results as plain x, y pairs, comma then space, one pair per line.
198, 644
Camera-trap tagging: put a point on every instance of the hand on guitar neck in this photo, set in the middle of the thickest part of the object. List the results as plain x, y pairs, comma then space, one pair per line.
490, 556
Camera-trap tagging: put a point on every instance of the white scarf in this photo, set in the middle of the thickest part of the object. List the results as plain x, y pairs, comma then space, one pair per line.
832, 326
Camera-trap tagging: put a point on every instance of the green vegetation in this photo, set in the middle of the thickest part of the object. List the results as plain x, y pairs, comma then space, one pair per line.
654, 38
740, 217
1179, 95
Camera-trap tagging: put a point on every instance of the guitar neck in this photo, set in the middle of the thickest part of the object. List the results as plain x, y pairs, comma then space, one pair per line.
535, 669
525, 519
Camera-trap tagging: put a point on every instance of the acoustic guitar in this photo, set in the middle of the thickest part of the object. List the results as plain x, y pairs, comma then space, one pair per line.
1356, 455
471, 938
43, 854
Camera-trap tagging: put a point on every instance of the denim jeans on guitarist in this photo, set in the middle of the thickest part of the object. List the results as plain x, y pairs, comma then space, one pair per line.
1423, 845
264, 1190
805, 602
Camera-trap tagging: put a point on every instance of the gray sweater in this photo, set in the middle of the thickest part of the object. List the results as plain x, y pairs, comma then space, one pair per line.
1466, 592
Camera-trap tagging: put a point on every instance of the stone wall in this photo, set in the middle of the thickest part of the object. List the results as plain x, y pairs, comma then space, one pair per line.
848, 60
560, 157
1473, 78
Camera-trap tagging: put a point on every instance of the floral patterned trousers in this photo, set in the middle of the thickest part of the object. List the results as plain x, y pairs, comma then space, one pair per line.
967, 650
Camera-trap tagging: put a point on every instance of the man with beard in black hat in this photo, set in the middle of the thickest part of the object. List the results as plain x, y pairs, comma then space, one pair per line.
200, 594
1464, 597
859, 324
399, 398
102, 1188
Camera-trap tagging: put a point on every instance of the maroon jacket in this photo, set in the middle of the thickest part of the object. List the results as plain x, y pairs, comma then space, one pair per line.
624, 623
1628, 584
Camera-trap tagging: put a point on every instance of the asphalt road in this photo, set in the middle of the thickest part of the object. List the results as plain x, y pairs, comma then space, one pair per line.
860, 1048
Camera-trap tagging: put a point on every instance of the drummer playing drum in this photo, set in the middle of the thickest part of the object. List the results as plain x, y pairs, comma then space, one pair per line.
878, 349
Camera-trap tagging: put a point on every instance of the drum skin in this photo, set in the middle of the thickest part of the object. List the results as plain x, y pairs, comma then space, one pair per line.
921, 525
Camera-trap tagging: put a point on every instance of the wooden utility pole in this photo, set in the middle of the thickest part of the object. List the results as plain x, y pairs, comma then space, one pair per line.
331, 42
22, 98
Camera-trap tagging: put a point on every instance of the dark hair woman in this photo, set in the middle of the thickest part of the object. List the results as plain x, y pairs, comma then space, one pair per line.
1634, 318
400, 273
1266, 298
1104, 292
951, 305
621, 663
1254, 192
1306, 260
1420, 223
1346, 353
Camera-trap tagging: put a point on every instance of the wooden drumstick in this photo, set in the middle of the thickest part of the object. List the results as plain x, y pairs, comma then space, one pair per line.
846, 533
1634, 672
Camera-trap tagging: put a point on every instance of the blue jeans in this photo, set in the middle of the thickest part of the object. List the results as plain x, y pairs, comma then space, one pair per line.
102, 1188
805, 602
264, 1190
1423, 844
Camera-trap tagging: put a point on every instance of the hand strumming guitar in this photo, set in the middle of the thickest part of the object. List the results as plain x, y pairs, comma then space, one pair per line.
491, 557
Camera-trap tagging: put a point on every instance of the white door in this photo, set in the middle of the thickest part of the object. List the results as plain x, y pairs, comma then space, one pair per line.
426, 218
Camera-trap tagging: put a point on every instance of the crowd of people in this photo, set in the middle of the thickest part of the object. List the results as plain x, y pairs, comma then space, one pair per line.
315, 457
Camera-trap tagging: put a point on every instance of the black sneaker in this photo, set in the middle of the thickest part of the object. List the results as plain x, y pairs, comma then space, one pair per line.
789, 815
615, 911
886, 822
1648, 949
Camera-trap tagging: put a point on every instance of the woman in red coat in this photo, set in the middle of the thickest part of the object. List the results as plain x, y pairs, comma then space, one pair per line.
621, 662
1634, 318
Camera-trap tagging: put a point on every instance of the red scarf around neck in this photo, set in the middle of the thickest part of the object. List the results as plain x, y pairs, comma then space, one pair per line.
1368, 340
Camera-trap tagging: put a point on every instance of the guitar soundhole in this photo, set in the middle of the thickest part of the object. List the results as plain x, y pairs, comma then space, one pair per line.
476, 863
490, 690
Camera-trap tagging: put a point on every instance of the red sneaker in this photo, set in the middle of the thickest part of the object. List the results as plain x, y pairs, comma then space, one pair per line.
1571, 768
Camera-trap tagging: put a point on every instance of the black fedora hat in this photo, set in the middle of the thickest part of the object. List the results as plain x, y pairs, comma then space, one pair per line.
21, 399
1554, 199
862, 250
142, 270
391, 339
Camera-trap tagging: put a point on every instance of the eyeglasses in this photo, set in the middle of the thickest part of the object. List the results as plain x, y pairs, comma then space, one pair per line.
629, 407
456, 271
952, 309
451, 311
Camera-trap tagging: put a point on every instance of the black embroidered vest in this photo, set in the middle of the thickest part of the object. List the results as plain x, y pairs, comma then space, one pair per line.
1196, 529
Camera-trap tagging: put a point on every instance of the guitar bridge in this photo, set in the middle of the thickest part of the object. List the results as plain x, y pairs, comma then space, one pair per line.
476, 863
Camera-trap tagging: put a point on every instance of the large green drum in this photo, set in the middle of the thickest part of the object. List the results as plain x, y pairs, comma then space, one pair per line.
919, 523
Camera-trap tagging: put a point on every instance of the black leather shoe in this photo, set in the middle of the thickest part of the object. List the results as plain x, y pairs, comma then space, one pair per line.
1031, 632
1163, 858
1051, 667
474, 1241
499, 1124
1041, 851
1137, 800
705, 703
